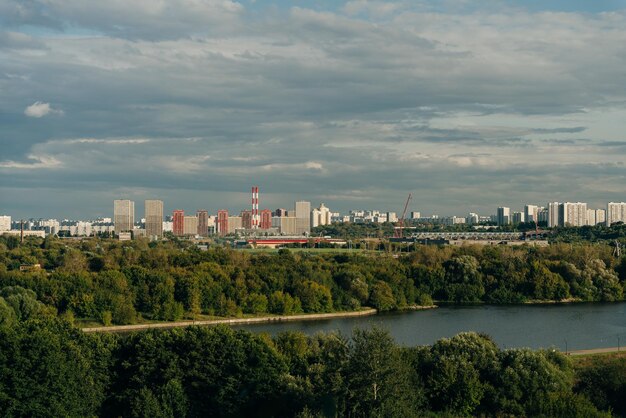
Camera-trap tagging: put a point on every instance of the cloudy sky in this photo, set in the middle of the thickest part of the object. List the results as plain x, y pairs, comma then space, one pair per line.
467, 104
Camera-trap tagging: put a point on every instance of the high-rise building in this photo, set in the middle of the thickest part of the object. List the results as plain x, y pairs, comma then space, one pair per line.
518, 217
472, 218
123, 215
600, 216
222, 222
286, 225
573, 214
280, 212
247, 217
392, 217
615, 212
234, 223
554, 214
203, 223
530, 213
190, 226
591, 217
315, 218
5, 223
416, 215
542, 216
178, 219
154, 218
503, 216
266, 219
320, 216
303, 217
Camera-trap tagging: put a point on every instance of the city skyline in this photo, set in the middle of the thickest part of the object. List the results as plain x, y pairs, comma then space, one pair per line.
353, 103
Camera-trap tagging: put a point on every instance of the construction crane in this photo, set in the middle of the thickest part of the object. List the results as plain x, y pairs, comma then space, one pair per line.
397, 233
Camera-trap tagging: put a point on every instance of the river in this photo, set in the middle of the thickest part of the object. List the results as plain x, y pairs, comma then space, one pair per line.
567, 327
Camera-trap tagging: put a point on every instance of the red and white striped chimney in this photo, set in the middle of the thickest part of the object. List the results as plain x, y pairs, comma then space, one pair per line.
255, 207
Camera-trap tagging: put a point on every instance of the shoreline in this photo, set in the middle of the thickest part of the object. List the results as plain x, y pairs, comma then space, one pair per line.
591, 351
232, 321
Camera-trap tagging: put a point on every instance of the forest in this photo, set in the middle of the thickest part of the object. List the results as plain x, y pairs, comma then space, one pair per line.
48, 367
51, 287
111, 282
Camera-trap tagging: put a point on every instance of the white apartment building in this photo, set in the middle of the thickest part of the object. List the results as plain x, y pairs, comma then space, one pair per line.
573, 214
123, 215
472, 218
554, 216
503, 216
615, 212
5, 223
321, 216
531, 213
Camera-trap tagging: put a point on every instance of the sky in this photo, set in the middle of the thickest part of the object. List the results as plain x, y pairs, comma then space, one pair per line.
466, 104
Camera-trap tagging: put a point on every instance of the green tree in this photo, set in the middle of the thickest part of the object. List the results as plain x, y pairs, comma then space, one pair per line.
381, 297
377, 380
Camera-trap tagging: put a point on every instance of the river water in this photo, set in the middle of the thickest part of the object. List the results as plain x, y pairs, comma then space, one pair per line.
565, 326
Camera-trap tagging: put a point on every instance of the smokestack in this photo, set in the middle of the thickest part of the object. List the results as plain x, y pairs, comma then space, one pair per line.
255, 207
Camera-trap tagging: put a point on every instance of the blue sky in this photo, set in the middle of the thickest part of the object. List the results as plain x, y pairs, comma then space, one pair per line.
466, 104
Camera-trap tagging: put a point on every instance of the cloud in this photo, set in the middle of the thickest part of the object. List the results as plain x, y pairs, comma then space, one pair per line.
197, 99
139, 19
33, 162
41, 109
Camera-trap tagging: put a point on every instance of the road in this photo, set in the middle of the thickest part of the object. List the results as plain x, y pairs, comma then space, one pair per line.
235, 321
595, 351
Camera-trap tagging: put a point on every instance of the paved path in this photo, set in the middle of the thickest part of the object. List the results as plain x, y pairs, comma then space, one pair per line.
596, 351
235, 321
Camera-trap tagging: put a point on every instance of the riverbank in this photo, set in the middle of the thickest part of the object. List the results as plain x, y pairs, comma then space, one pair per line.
593, 351
233, 321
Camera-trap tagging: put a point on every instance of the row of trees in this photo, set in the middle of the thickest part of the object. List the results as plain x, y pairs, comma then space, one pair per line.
121, 283
50, 368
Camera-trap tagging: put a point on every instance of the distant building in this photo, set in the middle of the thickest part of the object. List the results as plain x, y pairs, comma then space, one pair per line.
154, 218
503, 216
303, 217
234, 223
472, 218
123, 215
190, 226
5, 223
451, 220
266, 219
615, 212
554, 215
542, 216
573, 214
178, 227
321, 216
280, 212
600, 216
246, 219
518, 217
222, 222
416, 215
286, 225
125, 236
392, 217
530, 213
203, 223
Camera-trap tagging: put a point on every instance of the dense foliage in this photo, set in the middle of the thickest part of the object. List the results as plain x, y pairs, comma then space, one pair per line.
49, 368
116, 282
